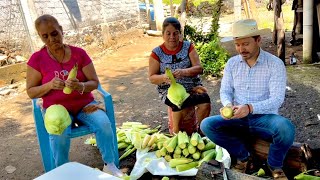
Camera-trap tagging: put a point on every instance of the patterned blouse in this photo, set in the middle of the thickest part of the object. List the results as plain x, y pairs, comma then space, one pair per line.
178, 59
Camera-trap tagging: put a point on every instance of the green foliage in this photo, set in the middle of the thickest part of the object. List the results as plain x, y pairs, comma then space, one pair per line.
167, 2
212, 55
196, 3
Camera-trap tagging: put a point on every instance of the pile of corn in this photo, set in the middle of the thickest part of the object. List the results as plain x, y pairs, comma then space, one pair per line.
135, 135
183, 152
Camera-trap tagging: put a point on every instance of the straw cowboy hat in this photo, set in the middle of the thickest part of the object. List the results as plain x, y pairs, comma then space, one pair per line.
243, 29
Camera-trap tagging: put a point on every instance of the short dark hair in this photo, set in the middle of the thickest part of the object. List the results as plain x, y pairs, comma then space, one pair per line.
173, 21
44, 19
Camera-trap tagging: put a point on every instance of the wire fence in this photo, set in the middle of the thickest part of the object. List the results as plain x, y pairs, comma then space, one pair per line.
14, 37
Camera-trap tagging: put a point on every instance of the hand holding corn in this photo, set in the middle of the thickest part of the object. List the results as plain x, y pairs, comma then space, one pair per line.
57, 83
72, 82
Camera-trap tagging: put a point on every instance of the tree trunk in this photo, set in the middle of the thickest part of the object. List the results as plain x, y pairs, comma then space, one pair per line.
171, 9
278, 32
246, 8
148, 13
237, 9
253, 10
183, 17
159, 14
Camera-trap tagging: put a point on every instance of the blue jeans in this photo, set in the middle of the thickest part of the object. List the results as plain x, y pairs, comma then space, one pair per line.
231, 134
99, 123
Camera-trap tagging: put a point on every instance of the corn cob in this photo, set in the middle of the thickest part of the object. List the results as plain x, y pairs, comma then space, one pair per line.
183, 139
207, 158
158, 153
177, 150
196, 155
172, 145
153, 139
191, 149
184, 167
204, 153
174, 162
72, 74
175, 156
194, 139
201, 144
146, 140
163, 151
185, 152
209, 145
167, 157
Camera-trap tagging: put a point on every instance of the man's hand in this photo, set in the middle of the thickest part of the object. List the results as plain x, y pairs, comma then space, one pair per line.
240, 111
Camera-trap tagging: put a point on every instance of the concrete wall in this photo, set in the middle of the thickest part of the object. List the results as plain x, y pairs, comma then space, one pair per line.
98, 23
102, 20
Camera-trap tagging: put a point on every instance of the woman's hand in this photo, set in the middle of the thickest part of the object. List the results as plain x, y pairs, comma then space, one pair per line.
73, 83
179, 73
91, 108
57, 83
166, 79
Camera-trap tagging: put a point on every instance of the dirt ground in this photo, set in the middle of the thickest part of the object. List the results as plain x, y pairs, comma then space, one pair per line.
123, 73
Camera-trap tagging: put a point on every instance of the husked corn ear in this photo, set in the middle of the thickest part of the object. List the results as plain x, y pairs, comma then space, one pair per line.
146, 140
72, 74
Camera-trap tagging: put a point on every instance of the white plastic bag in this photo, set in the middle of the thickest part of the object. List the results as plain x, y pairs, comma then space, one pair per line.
148, 161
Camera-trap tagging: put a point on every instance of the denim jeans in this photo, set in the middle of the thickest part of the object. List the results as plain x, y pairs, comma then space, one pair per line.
99, 123
232, 134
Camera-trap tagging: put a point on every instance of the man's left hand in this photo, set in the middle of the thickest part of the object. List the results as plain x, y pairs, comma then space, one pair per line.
240, 111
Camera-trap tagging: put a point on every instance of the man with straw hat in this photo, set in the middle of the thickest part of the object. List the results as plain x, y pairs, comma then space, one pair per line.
253, 85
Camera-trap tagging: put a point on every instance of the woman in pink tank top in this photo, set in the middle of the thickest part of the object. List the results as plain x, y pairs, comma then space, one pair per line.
47, 73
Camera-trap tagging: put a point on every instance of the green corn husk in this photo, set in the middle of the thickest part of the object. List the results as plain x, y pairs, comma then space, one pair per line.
127, 153
219, 154
177, 94
56, 119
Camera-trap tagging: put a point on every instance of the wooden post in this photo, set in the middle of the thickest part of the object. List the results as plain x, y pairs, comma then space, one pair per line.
183, 17
246, 8
148, 13
318, 16
307, 31
237, 10
171, 8
278, 32
253, 10
159, 14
